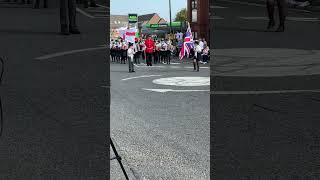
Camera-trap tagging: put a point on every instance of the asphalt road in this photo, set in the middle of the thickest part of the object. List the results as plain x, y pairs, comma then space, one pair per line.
161, 135
55, 111
265, 94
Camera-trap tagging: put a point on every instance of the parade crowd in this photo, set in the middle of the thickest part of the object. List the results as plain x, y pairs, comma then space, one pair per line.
153, 50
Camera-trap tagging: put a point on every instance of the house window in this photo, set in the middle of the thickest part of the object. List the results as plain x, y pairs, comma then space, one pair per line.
194, 4
195, 35
194, 15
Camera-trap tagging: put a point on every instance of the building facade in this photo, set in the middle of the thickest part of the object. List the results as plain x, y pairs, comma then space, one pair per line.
198, 17
118, 21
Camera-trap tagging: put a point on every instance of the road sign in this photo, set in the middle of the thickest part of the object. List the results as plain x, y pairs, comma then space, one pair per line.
133, 18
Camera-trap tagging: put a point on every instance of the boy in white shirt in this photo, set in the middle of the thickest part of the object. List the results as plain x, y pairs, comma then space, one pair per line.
130, 54
197, 56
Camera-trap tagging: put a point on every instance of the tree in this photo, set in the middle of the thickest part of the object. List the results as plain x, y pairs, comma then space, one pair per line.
181, 15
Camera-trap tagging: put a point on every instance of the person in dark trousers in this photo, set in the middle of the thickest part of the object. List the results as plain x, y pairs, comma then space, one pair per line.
197, 56
150, 48
130, 54
282, 14
157, 52
137, 53
124, 49
118, 51
92, 3
168, 53
36, 4
68, 17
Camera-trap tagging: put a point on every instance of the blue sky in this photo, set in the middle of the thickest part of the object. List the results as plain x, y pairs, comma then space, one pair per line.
123, 7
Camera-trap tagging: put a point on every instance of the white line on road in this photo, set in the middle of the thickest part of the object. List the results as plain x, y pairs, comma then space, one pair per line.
303, 19
263, 92
216, 17
85, 13
137, 77
217, 7
253, 18
103, 6
49, 56
187, 67
173, 90
149, 66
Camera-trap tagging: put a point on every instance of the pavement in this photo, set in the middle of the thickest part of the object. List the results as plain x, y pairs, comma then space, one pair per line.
160, 120
55, 111
264, 93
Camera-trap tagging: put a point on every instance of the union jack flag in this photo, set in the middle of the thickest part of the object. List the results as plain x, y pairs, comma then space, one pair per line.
188, 43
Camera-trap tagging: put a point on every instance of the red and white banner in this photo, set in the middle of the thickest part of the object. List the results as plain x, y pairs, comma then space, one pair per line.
129, 35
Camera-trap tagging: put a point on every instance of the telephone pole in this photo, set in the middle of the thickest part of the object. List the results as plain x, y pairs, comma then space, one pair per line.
170, 17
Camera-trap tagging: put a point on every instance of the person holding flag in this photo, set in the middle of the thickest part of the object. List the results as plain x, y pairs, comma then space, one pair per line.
188, 44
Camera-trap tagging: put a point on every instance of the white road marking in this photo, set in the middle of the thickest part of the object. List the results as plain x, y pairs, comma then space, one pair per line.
173, 90
149, 66
193, 67
263, 92
103, 6
183, 81
172, 67
175, 63
85, 13
303, 19
217, 7
137, 77
216, 17
253, 18
49, 56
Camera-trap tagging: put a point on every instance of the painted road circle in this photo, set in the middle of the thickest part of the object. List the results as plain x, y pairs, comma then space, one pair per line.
183, 81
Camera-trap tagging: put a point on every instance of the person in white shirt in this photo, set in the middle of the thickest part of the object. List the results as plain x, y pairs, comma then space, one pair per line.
205, 55
130, 54
137, 53
201, 44
164, 49
197, 56
168, 53
157, 52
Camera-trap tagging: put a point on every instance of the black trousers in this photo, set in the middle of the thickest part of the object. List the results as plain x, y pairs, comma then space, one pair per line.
123, 56
36, 3
137, 57
168, 53
149, 59
156, 57
281, 8
196, 60
68, 15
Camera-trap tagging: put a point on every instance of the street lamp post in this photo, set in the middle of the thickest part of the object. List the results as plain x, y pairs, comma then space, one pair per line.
170, 16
